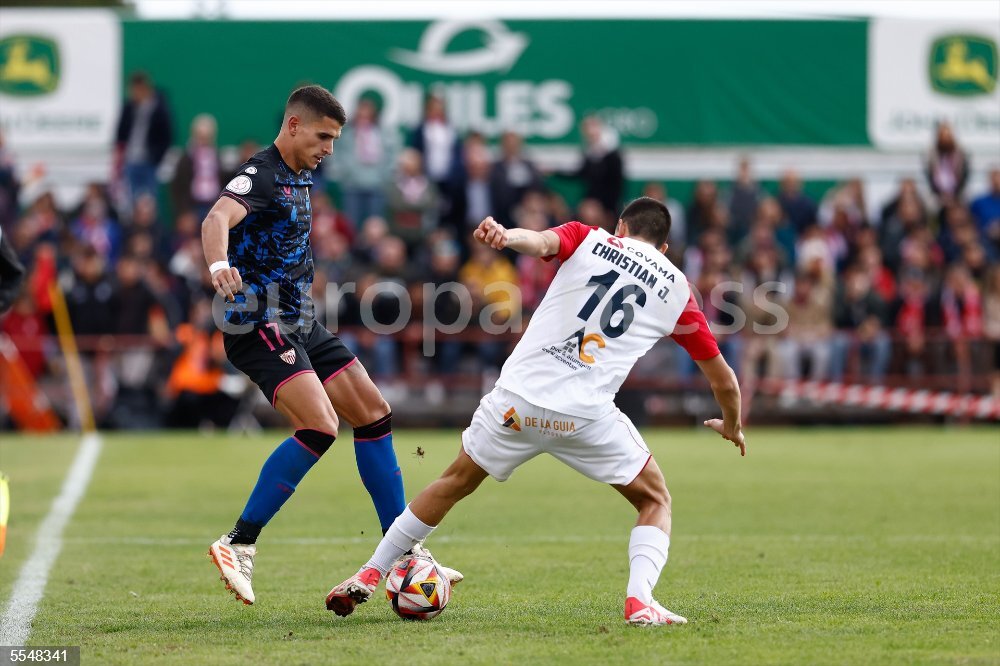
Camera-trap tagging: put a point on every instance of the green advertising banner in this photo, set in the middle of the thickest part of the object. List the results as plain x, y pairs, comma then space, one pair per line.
657, 82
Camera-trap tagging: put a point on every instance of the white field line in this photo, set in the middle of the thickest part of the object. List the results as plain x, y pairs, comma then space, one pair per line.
15, 625
557, 539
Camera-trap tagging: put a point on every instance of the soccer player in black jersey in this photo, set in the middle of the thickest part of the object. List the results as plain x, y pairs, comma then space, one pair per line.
256, 242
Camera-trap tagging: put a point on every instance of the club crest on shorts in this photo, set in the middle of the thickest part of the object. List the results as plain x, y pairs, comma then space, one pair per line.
512, 420
288, 356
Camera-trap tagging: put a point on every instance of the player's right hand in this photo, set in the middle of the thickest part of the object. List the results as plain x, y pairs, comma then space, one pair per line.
732, 432
492, 233
227, 283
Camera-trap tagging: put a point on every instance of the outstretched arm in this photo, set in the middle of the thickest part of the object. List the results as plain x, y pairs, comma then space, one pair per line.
722, 379
532, 243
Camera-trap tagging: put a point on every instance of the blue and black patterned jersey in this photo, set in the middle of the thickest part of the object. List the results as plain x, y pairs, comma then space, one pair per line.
270, 247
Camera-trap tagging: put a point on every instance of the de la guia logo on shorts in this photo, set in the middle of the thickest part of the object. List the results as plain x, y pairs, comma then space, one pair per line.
552, 427
963, 65
29, 65
512, 420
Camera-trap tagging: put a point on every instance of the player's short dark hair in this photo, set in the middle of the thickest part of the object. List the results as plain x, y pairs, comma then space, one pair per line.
648, 219
316, 100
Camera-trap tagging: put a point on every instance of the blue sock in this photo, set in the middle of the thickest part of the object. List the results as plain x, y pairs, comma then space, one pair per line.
279, 476
379, 469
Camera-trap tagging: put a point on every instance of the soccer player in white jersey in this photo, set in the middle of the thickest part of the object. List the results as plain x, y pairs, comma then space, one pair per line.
613, 297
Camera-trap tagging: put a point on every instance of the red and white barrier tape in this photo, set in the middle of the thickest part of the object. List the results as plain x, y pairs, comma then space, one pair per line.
887, 399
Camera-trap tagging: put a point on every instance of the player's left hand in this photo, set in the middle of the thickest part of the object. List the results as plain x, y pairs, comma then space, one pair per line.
733, 434
227, 283
492, 233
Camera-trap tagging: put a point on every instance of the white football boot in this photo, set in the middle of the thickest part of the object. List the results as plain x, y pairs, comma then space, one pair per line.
454, 576
653, 614
357, 589
235, 562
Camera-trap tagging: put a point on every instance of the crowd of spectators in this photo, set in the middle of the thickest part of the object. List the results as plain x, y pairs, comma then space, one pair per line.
911, 294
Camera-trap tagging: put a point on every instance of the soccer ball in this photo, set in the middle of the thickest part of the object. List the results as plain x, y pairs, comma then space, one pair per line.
417, 589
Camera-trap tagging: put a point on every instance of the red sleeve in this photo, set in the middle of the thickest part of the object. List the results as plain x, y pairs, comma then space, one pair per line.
570, 235
692, 332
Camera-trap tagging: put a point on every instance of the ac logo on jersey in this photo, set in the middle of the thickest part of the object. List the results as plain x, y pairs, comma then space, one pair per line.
287, 356
576, 350
584, 340
512, 420
615, 242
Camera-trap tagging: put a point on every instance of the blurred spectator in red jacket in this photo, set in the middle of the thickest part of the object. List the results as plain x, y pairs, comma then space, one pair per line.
27, 329
915, 312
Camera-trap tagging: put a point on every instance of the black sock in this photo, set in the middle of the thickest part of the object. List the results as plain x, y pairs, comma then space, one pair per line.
245, 533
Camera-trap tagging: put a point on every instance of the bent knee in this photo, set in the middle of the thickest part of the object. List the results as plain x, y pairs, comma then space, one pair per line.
326, 423
377, 409
367, 412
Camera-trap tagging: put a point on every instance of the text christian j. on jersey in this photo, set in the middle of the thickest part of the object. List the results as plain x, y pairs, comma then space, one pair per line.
611, 300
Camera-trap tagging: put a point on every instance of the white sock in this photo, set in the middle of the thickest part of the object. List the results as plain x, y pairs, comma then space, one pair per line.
647, 553
405, 532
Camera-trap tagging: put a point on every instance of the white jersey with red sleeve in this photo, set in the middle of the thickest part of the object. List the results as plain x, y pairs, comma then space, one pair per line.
611, 300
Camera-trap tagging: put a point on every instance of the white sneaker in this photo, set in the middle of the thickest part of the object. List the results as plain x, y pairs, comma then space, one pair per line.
357, 589
454, 576
653, 614
235, 562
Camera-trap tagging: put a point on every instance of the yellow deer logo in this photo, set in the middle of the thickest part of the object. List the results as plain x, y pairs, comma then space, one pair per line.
958, 67
964, 65
24, 72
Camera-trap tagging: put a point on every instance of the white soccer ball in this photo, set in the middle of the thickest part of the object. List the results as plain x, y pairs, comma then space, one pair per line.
417, 588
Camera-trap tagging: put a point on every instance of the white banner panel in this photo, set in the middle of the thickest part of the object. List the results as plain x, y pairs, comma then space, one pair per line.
60, 78
920, 72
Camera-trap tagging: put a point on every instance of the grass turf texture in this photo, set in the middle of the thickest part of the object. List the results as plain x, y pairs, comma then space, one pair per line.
822, 546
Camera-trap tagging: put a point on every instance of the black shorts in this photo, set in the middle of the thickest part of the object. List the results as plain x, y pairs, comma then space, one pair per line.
272, 355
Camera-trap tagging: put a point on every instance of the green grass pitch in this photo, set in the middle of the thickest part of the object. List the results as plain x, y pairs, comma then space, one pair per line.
822, 546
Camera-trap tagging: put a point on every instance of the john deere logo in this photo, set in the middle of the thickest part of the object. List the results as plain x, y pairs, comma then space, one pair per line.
963, 65
29, 65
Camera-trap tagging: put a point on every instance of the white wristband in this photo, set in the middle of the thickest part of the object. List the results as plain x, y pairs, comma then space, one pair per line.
218, 266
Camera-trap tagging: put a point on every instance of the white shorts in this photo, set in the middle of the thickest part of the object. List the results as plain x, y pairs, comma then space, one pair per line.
507, 431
